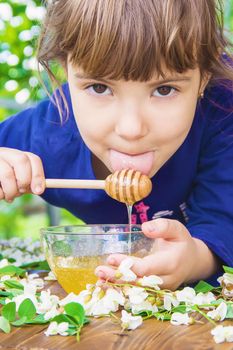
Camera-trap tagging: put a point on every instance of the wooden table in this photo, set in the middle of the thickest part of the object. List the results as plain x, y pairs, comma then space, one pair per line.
103, 334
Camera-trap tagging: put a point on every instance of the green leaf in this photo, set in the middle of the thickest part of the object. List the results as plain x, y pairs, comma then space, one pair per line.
72, 331
13, 284
5, 325
39, 319
76, 310
228, 269
165, 316
203, 287
229, 311
5, 294
27, 309
19, 322
66, 318
15, 292
37, 265
180, 308
86, 320
9, 311
11, 270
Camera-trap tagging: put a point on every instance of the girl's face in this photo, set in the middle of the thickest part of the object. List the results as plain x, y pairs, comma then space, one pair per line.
133, 124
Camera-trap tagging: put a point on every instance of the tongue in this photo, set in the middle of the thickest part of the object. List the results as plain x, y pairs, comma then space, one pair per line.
142, 162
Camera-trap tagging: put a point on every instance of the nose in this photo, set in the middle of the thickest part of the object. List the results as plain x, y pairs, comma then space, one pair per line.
131, 122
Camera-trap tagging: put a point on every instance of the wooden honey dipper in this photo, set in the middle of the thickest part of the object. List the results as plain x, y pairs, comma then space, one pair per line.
127, 186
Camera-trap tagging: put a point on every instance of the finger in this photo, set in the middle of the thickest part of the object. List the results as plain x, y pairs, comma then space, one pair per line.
154, 264
109, 273
8, 181
116, 259
38, 177
105, 272
21, 164
169, 282
165, 228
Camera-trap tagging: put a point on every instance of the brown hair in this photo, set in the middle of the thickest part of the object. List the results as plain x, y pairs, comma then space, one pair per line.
133, 39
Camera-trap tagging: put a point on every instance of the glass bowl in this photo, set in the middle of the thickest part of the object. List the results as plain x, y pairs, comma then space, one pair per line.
73, 252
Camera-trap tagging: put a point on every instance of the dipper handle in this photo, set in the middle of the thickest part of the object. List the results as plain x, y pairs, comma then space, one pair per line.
127, 186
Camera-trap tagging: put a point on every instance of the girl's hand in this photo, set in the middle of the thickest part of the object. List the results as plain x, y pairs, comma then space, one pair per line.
20, 172
177, 256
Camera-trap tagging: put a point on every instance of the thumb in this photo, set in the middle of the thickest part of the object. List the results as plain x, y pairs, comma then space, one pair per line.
165, 228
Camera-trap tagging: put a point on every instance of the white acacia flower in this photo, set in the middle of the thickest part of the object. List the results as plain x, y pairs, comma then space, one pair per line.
3, 263
219, 313
71, 297
50, 277
99, 308
150, 281
38, 283
136, 295
124, 272
130, 322
226, 279
144, 306
84, 298
28, 287
115, 296
169, 301
55, 328
186, 295
204, 298
31, 276
47, 302
102, 303
222, 334
179, 318
51, 313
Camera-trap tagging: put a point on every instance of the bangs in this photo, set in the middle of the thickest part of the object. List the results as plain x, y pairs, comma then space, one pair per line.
134, 39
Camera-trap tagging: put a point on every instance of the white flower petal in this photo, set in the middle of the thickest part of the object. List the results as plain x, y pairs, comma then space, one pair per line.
222, 333
219, 313
150, 281
130, 322
179, 319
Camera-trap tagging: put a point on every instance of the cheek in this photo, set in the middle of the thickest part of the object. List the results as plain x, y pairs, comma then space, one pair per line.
176, 121
89, 122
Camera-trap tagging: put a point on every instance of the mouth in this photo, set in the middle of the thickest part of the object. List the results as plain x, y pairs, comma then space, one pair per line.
142, 162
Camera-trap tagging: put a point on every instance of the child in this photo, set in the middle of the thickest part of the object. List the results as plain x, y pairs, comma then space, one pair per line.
149, 88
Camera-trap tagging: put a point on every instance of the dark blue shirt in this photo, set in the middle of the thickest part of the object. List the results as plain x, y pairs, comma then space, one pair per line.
195, 186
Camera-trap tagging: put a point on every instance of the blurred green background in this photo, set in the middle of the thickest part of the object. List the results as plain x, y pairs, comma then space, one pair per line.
20, 88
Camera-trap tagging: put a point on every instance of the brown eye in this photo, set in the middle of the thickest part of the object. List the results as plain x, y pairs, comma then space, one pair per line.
99, 88
164, 90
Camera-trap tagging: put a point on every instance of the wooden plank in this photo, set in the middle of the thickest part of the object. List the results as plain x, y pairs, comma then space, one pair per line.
103, 333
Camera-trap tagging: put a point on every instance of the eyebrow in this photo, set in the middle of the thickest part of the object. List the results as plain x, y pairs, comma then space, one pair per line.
88, 77
156, 82
171, 80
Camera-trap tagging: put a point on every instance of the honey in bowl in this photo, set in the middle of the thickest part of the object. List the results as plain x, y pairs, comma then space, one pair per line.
74, 252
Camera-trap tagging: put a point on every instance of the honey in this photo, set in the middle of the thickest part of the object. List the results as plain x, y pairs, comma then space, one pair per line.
74, 273
74, 279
